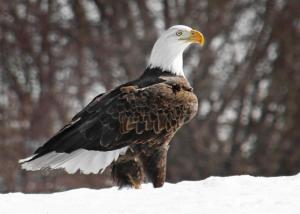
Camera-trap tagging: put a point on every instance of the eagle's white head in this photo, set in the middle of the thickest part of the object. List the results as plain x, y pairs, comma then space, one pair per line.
168, 49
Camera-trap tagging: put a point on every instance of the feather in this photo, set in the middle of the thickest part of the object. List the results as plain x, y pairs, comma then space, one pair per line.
87, 161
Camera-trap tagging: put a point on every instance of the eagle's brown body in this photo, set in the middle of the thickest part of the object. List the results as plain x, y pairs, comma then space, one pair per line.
143, 114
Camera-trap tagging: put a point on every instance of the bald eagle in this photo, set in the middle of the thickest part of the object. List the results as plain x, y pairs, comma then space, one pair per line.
131, 126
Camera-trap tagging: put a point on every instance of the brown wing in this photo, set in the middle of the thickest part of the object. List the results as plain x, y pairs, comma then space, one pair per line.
137, 116
124, 116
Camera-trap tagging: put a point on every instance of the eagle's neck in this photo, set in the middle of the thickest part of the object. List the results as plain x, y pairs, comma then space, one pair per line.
172, 64
168, 56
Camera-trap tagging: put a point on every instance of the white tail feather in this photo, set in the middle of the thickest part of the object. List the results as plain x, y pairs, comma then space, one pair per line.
84, 160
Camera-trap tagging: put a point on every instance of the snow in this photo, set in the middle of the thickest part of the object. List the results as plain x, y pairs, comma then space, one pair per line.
237, 194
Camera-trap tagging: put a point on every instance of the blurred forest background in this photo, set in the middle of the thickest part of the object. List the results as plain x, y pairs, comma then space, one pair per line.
56, 55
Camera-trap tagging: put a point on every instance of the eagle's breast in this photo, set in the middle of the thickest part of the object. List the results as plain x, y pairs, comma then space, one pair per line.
187, 100
182, 98
155, 110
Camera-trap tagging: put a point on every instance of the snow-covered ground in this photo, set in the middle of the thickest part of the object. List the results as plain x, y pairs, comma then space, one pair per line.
222, 195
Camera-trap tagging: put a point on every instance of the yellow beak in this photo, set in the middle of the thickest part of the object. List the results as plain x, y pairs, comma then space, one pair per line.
196, 37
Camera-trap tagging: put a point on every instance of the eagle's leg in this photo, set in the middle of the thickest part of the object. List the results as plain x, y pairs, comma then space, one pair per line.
128, 171
155, 162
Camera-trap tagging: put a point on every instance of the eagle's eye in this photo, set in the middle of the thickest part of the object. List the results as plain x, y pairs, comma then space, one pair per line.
179, 33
